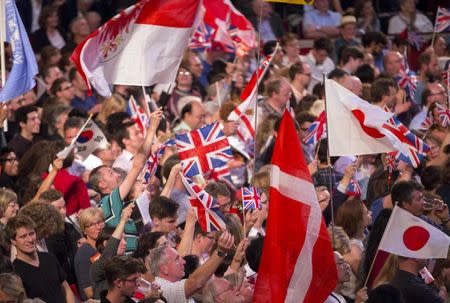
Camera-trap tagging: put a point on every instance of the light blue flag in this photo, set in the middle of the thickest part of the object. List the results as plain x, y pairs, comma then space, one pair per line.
21, 77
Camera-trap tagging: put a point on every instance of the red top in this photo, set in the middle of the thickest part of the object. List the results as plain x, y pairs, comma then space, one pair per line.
73, 189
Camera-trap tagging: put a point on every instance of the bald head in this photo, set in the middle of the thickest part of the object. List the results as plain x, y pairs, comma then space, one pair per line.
392, 62
353, 84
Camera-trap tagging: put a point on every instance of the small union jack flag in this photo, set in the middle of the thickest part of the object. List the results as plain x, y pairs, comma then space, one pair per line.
203, 150
411, 149
251, 198
152, 162
353, 189
408, 83
317, 130
221, 174
426, 124
442, 20
209, 215
391, 162
138, 114
202, 37
444, 114
446, 78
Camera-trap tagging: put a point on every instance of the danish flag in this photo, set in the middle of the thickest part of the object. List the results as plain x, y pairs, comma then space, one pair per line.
209, 215
251, 198
245, 112
442, 20
203, 150
317, 130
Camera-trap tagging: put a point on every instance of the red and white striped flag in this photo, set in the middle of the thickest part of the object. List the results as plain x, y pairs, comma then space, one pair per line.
297, 263
245, 112
143, 45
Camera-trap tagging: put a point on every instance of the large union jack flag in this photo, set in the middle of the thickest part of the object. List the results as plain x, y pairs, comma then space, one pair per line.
152, 162
138, 114
444, 114
251, 198
410, 148
442, 20
209, 215
317, 130
203, 150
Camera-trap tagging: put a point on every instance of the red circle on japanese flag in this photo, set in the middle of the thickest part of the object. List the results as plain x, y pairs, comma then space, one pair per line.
415, 237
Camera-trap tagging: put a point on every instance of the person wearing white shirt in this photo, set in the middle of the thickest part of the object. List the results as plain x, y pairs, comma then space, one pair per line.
130, 138
319, 61
410, 18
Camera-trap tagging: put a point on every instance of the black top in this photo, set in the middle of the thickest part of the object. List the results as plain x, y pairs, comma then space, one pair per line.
103, 298
44, 281
414, 290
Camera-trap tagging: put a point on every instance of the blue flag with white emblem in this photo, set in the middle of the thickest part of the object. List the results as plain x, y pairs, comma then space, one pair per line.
21, 76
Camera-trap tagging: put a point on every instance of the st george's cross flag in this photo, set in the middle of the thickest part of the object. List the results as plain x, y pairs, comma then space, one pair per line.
143, 45
297, 263
206, 207
251, 198
24, 68
245, 112
409, 236
203, 150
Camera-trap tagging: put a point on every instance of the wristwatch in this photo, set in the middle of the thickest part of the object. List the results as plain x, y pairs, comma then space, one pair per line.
221, 253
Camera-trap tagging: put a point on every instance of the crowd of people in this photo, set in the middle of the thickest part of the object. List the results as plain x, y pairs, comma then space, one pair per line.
70, 229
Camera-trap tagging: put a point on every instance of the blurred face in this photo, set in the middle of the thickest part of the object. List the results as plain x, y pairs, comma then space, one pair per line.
262, 8
11, 210
304, 130
53, 74
196, 66
434, 149
116, 149
93, 228
246, 290
196, 118
320, 55
52, 20
408, 6
70, 134
110, 178
174, 266
106, 154
60, 205
433, 68
394, 63
324, 198
306, 75
367, 216
415, 206
129, 286
226, 292
184, 77
438, 93
348, 31
368, 8
292, 48
206, 242
135, 138
10, 164
25, 241
167, 224
4, 297
285, 93
32, 124
66, 92
440, 46
81, 27
322, 5
342, 267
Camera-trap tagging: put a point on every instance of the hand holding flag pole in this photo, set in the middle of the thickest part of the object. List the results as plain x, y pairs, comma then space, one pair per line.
68, 149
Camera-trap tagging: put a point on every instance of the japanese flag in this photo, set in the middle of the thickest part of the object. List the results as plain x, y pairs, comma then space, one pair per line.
409, 236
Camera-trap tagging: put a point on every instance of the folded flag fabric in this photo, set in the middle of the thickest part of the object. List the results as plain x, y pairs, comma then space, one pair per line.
442, 20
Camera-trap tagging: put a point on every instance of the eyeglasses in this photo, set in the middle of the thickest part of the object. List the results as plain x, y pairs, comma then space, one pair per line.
10, 160
134, 281
224, 290
97, 224
186, 73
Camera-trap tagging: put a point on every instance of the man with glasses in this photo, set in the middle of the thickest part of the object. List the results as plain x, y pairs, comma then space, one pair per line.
221, 290
300, 76
123, 275
434, 92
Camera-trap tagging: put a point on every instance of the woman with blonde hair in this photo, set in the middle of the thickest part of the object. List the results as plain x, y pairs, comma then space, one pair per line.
9, 205
114, 104
91, 224
11, 288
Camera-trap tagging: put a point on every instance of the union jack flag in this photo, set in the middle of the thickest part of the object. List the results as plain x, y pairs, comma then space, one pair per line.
426, 124
316, 130
203, 150
209, 215
391, 162
221, 174
411, 149
446, 78
152, 162
353, 189
408, 83
251, 198
442, 20
202, 37
444, 114
138, 114
245, 112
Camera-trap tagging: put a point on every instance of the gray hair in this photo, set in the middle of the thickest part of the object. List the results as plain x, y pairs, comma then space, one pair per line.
156, 258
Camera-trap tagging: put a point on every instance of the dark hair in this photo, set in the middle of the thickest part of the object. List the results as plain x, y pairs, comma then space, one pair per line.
303, 117
424, 59
51, 195
323, 44
46, 12
269, 47
4, 152
376, 37
305, 103
366, 73
273, 86
17, 222
57, 85
115, 121
349, 216
123, 133
380, 88
350, 52
254, 253
192, 263
217, 188
72, 74
74, 122
120, 267
163, 207
104, 235
425, 95
402, 191
146, 242
337, 73
431, 177
385, 293
296, 68
169, 164
21, 113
